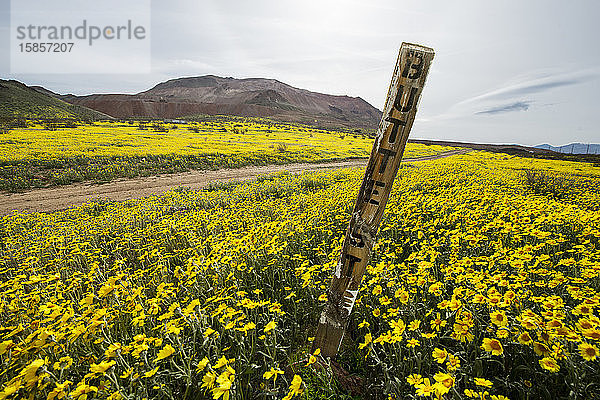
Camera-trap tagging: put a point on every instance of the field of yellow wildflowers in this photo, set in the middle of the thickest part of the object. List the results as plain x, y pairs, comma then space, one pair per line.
35, 156
479, 287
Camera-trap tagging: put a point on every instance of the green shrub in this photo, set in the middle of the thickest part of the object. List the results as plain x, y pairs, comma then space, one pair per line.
546, 183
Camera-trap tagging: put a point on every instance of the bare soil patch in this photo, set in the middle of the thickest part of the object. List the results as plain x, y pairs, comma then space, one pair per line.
59, 198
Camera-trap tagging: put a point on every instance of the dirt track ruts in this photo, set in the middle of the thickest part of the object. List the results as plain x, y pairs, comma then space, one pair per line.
62, 197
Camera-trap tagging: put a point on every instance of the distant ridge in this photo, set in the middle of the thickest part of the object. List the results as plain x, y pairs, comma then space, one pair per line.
572, 148
249, 97
516, 150
18, 100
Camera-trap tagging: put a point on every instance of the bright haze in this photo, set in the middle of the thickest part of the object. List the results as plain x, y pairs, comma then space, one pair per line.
524, 72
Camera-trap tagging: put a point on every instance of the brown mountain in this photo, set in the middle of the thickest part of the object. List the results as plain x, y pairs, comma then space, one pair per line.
252, 97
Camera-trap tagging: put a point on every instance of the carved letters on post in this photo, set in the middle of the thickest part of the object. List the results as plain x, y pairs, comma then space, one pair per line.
398, 116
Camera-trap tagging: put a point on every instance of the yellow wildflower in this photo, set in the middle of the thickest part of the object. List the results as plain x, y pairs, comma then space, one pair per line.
165, 352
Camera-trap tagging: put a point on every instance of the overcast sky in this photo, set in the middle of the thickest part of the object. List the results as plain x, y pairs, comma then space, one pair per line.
523, 72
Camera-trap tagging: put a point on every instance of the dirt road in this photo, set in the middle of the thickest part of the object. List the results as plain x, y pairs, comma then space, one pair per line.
61, 197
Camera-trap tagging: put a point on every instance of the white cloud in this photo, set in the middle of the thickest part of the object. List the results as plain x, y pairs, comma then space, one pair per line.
536, 85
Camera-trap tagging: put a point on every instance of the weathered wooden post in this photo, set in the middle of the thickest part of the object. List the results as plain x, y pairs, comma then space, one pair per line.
398, 116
